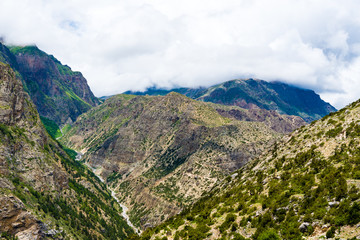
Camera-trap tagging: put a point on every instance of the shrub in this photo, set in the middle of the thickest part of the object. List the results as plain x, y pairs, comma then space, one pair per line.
330, 233
269, 234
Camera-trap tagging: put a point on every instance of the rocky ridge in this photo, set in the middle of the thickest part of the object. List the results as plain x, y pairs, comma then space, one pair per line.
59, 93
257, 94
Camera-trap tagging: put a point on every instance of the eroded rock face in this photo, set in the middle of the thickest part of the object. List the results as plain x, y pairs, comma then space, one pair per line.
57, 95
21, 150
17, 221
11, 104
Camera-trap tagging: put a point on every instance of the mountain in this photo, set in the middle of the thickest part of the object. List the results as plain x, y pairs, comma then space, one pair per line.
161, 153
305, 186
59, 93
44, 193
254, 94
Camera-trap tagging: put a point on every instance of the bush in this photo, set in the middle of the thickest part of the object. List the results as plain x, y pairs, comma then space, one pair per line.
330, 233
269, 234
354, 214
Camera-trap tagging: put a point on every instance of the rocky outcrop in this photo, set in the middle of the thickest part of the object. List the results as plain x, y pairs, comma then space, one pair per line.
15, 109
16, 221
11, 104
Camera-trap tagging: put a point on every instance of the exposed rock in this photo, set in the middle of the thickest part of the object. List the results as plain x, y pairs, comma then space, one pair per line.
17, 221
233, 176
277, 122
333, 204
304, 226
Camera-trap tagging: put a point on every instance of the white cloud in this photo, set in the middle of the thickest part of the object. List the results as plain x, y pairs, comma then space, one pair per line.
133, 44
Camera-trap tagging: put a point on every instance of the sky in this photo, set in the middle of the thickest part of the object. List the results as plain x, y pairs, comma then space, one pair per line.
135, 44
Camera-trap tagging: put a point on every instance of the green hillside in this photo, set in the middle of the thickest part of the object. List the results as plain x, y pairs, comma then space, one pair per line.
305, 186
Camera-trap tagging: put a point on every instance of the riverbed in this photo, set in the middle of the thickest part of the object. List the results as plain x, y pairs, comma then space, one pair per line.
124, 208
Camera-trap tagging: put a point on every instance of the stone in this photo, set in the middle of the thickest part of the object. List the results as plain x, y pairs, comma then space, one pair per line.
304, 226
333, 204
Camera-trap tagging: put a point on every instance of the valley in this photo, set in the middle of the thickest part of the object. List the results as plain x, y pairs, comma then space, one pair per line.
44, 192
164, 152
237, 160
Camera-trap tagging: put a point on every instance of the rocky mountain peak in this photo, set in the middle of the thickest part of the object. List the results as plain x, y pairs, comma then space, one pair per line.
58, 92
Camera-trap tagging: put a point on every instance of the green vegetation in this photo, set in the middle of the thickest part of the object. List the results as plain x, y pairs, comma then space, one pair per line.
66, 129
82, 214
51, 127
31, 50
266, 95
86, 213
286, 193
7, 236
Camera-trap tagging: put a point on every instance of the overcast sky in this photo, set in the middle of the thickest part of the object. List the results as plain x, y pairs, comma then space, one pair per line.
134, 44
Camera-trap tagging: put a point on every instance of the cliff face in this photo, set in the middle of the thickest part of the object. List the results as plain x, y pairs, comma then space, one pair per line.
43, 192
14, 110
161, 153
58, 93
258, 94
305, 187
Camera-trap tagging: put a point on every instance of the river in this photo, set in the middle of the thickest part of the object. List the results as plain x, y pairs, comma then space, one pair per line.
124, 213
124, 208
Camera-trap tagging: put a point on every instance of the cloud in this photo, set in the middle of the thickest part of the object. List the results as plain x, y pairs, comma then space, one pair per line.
134, 44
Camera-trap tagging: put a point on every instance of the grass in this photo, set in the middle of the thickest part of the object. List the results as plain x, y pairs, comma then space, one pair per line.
31, 50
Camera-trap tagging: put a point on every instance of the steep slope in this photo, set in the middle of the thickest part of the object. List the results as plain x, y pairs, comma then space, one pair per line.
44, 194
161, 153
254, 94
58, 93
307, 185
278, 122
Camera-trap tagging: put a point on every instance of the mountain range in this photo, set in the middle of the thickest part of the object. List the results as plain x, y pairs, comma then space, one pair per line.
161, 153
234, 161
257, 94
